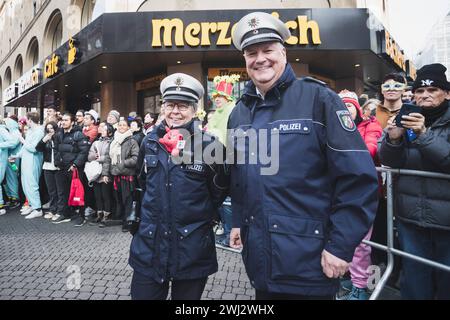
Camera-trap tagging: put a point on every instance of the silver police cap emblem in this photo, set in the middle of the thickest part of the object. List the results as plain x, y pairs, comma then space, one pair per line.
179, 82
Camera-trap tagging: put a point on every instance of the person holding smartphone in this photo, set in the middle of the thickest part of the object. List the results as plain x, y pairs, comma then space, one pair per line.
422, 205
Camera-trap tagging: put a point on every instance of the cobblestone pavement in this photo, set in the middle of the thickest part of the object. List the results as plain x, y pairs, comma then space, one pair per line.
37, 259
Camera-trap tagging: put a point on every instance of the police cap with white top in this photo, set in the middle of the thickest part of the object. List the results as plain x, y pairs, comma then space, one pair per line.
181, 87
258, 27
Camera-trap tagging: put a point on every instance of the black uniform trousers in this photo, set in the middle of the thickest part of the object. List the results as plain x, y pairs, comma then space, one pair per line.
144, 288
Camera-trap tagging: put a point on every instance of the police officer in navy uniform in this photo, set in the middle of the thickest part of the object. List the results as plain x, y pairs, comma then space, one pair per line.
300, 226
175, 241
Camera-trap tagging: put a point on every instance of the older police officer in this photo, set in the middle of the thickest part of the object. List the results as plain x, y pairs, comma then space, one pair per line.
175, 240
300, 226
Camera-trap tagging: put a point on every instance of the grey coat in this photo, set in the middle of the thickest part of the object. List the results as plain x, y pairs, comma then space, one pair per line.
128, 159
422, 201
102, 147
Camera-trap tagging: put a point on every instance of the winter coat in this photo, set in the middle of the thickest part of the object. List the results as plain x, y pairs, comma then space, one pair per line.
422, 201
72, 148
128, 159
101, 146
323, 195
175, 239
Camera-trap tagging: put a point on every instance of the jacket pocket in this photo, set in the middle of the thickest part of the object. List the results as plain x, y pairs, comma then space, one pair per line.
151, 161
143, 245
195, 245
296, 247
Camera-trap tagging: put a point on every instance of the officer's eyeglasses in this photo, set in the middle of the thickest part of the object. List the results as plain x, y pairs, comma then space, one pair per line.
393, 86
182, 107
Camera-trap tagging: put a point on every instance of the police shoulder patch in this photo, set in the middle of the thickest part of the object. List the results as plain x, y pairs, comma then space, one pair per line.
345, 119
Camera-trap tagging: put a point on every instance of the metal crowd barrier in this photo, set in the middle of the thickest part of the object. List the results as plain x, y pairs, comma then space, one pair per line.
389, 248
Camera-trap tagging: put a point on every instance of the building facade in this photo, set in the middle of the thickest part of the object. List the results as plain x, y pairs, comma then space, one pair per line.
81, 54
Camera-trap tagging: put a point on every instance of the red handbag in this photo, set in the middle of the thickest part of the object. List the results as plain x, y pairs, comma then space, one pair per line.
76, 196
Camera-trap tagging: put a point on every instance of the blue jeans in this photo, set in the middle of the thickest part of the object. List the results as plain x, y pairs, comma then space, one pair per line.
227, 219
419, 281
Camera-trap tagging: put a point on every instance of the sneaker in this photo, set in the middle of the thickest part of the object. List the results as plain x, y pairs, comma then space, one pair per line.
355, 294
88, 211
61, 219
2, 212
220, 230
79, 222
26, 211
34, 214
13, 204
55, 217
49, 215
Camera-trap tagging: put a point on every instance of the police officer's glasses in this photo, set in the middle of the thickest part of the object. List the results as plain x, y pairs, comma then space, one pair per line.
182, 107
393, 86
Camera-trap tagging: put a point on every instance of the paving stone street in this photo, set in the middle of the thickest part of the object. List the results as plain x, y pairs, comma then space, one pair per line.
38, 258
39, 261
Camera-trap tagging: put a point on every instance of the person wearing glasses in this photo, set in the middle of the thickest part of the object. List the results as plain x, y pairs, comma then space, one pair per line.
174, 244
79, 119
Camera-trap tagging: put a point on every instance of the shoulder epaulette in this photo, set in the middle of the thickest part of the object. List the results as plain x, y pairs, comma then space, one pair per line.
311, 79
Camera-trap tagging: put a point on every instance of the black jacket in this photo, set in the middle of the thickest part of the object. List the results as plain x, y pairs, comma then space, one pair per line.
72, 148
422, 201
138, 137
175, 238
321, 194
47, 148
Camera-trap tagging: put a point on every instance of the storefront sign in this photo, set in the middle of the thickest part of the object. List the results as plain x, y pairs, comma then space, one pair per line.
199, 33
242, 72
30, 79
73, 54
150, 83
393, 51
10, 93
52, 67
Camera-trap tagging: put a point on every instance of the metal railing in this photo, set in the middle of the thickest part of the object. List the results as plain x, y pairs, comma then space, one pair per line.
389, 248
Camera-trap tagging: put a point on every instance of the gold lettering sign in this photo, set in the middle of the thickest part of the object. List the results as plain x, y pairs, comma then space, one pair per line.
393, 51
51, 66
73, 52
213, 72
199, 33
29, 80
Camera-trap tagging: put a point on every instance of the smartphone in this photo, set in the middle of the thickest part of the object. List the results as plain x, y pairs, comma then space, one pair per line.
405, 110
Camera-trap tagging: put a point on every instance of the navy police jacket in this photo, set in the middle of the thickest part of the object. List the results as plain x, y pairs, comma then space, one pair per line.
175, 240
323, 194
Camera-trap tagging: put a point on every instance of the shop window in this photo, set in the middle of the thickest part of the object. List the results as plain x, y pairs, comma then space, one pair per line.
53, 32
152, 104
86, 12
238, 87
57, 36
32, 57
18, 67
7, 77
